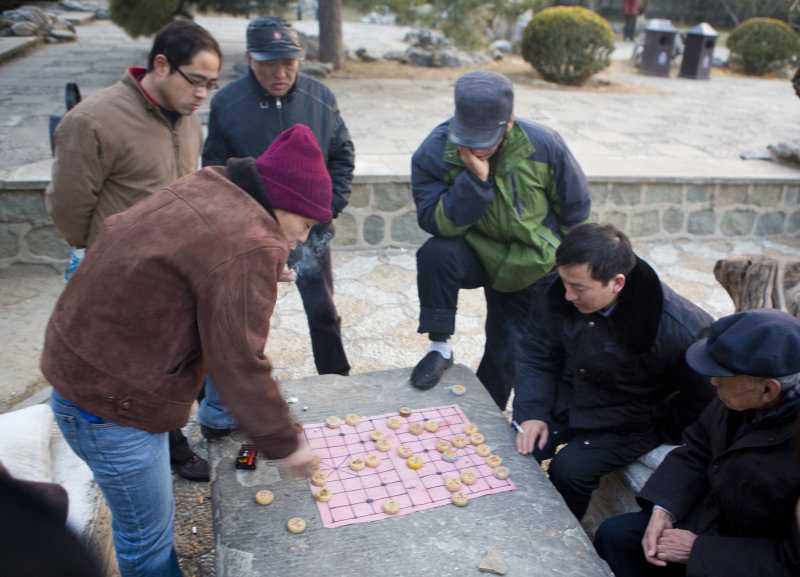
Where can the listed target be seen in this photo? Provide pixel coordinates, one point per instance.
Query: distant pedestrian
(630, 8)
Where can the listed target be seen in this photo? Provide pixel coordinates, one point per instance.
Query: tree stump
(755, 281)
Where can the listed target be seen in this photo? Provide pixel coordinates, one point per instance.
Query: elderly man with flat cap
(246, 116)
(723, 503)
(497, 194)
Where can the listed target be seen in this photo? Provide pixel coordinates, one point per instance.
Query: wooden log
(756, 281)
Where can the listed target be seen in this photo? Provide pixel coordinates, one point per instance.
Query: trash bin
(659, 41)
(698, 51)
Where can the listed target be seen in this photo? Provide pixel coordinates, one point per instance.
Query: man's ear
(161, 66)
(618, 283)
(510, 123)
(771, 390)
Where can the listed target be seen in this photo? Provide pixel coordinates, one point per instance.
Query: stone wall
(381, 213)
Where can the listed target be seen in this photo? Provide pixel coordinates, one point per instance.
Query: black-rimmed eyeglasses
(210, 85)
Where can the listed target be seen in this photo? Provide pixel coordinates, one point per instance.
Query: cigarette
(517, 427)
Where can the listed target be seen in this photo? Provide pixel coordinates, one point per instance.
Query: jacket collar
(266, 97)
(242, 172)
(638, 311)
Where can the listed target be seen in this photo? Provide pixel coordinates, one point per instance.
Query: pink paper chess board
(358, 496)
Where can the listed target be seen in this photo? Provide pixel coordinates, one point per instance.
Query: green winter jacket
(536, 193)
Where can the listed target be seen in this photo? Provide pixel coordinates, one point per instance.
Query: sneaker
(429, 370)
(211, 434)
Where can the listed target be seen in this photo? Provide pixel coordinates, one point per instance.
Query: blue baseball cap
(484, 105)
(758, 342)
(273, 38)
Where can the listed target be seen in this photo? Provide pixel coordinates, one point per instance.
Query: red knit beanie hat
(295, 174)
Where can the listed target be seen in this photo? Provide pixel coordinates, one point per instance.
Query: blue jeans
(213, 412)
(132, 469)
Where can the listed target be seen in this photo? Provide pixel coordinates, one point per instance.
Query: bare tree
(331, 44)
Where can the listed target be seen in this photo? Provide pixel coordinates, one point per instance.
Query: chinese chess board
(358, 496)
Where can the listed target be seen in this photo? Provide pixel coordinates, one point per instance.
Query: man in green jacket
(497, 194)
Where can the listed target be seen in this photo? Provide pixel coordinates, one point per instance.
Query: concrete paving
(668, 126)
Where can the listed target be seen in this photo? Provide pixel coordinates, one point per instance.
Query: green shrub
(568, 44)
(763, 44)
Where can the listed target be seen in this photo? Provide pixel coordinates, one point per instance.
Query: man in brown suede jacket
(180, 284)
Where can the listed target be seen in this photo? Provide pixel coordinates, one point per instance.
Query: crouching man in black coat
(723, 503)
(602, 367)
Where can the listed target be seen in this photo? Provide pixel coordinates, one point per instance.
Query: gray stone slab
(530, 526)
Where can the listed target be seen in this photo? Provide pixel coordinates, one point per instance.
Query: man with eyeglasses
(129, 140)
(246, 116)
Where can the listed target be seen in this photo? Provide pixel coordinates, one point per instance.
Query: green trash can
(659, 41)
(698, 52)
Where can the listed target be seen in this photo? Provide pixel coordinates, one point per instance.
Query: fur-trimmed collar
(638, 311)
(242, 172)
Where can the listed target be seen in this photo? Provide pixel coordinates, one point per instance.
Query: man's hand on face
(475, 164)
(534, 431)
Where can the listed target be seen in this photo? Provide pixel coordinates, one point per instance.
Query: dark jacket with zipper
(739, 497)
(245, 119)
(536, 192)
(622, 373)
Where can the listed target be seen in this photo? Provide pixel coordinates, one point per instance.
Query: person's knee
(618, 541)
(440, 252)
(566, 471)
(605, 539)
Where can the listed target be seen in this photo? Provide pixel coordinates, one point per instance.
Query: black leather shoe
(195, 469)
(429, 370)
(212, 434)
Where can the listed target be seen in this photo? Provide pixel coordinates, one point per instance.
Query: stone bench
(33, 449)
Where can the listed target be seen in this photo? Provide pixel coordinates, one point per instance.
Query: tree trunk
(761, 282)
(331, 45)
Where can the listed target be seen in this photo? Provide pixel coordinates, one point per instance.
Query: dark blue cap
(484, 105)
(758, 342)
(273, 39)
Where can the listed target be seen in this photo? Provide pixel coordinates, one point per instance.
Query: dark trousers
(619, 542)
(179, 449)
(577, 468)
(445, 266)
(312, 263)
(630, 27)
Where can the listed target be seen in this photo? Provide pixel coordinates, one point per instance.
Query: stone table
(531, 526)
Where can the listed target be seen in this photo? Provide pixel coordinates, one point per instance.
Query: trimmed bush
(568, 44)
(763, 44)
